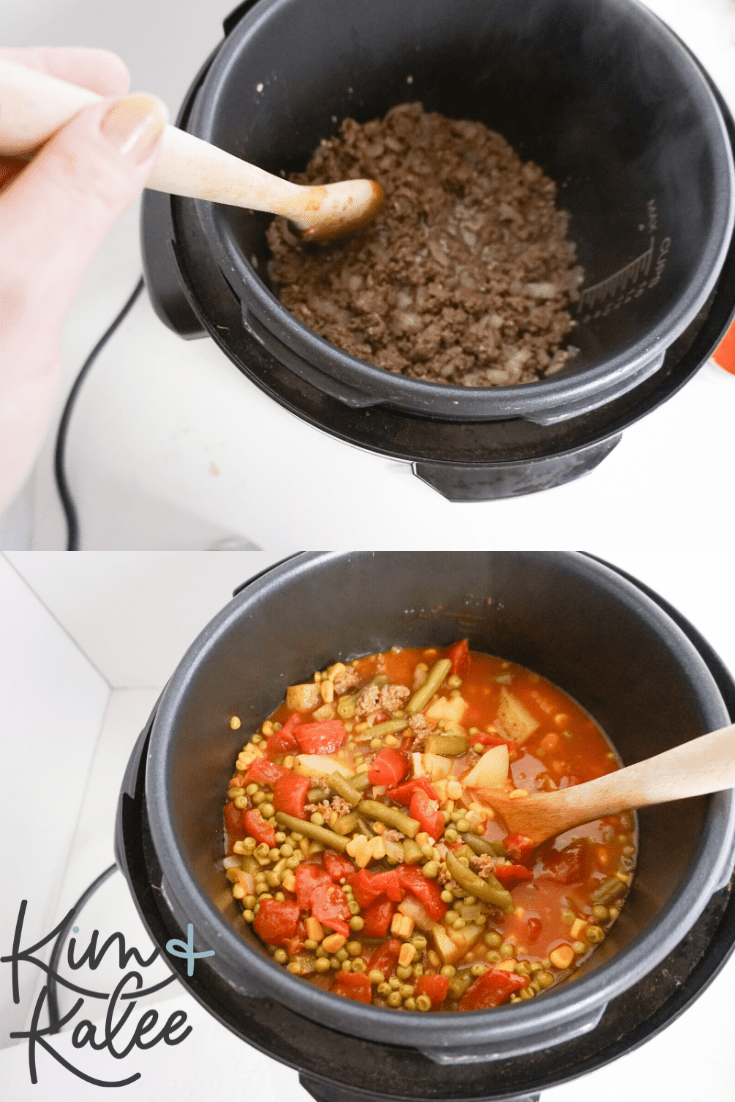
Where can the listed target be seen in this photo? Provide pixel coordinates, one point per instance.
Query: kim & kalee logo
(124, 1028)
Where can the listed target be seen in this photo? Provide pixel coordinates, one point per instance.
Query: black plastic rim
(630, 1020)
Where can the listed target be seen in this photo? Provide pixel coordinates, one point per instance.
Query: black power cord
(53, 999)
(67, 501)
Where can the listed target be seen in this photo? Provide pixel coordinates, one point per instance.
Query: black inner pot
(598, 92)
(557, 613)
(368, 1069)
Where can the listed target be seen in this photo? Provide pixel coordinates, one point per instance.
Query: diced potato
(469, 911)
(445, 947)
(320, 765)
(327, 711)
(304, 698)
(471, 933)
(450, 945)
(437, 766)
(490, 771)
(451, 709)
(516, 721)
(412, 907)
(417, 764)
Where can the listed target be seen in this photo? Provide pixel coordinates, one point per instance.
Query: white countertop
(87, 642)
(171, 447)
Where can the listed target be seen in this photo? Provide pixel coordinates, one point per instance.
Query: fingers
(55, 214)
(99, 70)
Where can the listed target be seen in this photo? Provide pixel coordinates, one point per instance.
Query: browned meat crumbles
(393, 697)
(345, 680)
(466, 275)
(368, 701)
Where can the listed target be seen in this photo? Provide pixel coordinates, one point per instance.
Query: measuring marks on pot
(631, 281)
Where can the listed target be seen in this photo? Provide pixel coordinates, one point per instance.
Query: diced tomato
(284, 741)
(369, 886)
(510, 875)
(308, 879)
(329, 905)
(353, 985)
(338, 866)
(533, 930)
(519, 848)
(428, 814)
(265, 772)
(295, 945)
(321, 738)
(385, 957)
(459, 656)
(389, 767)
(233, 819)
(377, 918)
(491, 989)
(258, 828)
(238, 781)
(403, 793)
(290, 794)
(436, 987)
(276, 922)
(495, 740)
(426, 891)
(571, 864)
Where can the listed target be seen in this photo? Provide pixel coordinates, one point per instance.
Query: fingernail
(134, 125)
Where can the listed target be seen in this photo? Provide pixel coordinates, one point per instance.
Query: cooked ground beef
(466, 275)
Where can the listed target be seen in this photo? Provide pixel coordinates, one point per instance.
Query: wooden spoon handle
(33, 106)
(705, 764)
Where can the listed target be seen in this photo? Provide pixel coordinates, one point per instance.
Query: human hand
(54, 214)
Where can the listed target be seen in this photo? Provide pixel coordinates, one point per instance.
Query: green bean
(490, 890)
(412, 852)
(309, 830)
(390, 727)
(365, 828)
(316, 795)
(608, 890)
(481, 845)
(434, 678)
(346, 824)
(346, 705)
(339, 784)
(360, 781)
(452, 745)
(390, 816)
(459, 983)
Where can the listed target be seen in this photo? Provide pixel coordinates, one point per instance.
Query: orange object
(724, 354)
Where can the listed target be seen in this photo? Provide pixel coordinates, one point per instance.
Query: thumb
(56, 213)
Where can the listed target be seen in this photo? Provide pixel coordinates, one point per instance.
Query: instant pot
(631, 660)
(599, 93)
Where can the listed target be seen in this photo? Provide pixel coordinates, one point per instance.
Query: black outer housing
(198, 285)
(332, 1063)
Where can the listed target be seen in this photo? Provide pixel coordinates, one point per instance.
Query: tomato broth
(365, 859)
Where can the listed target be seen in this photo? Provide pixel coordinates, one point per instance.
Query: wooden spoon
(34, 106)
(705, 764)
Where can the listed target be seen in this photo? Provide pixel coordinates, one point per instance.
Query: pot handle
(567, 410)
(461, 482)
(329, 1092)
(503, 1049)
(230, 21)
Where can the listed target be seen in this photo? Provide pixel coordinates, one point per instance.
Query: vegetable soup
(364, 858)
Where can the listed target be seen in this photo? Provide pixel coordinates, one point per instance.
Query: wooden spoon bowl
(702, 765)
(35, 105)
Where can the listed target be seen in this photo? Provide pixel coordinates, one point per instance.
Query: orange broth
(574, 884)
